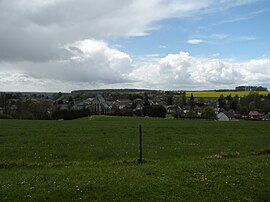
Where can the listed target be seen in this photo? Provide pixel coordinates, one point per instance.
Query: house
(102, 104)
(139, 107)
(230, 114)
(109, 103)
(217, 110)
(186, 109)
(266, 117)
(222, 117)
(170, 108)
(63, 107)
(81, 105)
(254, 115)
(138, 101)
(156, 101)
(122, 103)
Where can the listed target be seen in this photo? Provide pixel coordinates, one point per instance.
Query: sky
(65, 45)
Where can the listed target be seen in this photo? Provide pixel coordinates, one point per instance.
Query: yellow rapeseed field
(213, 94)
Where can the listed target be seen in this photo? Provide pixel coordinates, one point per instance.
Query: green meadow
(95, 159)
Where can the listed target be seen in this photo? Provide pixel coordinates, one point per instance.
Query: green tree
(59, 94)
(191, 114)
(208, 113)
(221, 102)
(71, 101)
(154, 111)
(183, 100)
(191, 101)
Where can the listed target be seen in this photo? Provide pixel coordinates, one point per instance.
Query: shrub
(5, 116)
(154, 111)
(208, 113)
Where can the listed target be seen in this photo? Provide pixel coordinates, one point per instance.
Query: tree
(252, 106)
(208, 113)
(191, 114)
(191, 101)
(183, 100)
(221, 102)
(59, 95)
(26, 109)
(201, 102)
(146, 102)
(234, 103)
(70, 101)
(154, 111)
(169, 100)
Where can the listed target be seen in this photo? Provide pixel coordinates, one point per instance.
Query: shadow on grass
(263, 151)
(24, 164)
(222, 155)
(130, 162)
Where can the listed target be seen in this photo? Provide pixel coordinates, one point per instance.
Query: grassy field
(213, 94)
(94, 159)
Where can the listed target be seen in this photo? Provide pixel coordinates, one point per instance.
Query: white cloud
(175, 71)
(153, 55)
(183, 71)
(162, 46)
(194, 41)
(218, 36)
(244, 17)
(247, 38)
(206, 38)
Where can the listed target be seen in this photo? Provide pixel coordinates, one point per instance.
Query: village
(162, 104)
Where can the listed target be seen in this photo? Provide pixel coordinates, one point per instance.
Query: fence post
(140, 130)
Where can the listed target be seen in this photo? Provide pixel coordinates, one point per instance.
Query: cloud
(218, 36)
(174, 71)
(209, 39)
(90, 61)
(153, 55)
(36, 30)
(244, 17)
(247, 38)
(162, 46)
(183, 71)
(16, 81)
(60, 44)
(194, 41)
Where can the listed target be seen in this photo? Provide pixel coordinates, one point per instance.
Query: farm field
(213, 94)
(94, 159)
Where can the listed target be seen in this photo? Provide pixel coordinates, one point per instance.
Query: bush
(70, 114)
(5, 116)
(208, 113)
(154, 111)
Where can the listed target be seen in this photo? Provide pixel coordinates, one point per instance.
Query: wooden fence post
(140, 130)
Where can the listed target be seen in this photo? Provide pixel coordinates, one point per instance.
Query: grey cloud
(75, 49)
(36, 30)
(91, 61)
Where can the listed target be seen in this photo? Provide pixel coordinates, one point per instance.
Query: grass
(213, 94)
(95, 159)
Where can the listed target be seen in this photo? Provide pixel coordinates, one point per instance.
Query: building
(222, 117)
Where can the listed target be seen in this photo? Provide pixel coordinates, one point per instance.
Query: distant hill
(114, 91)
